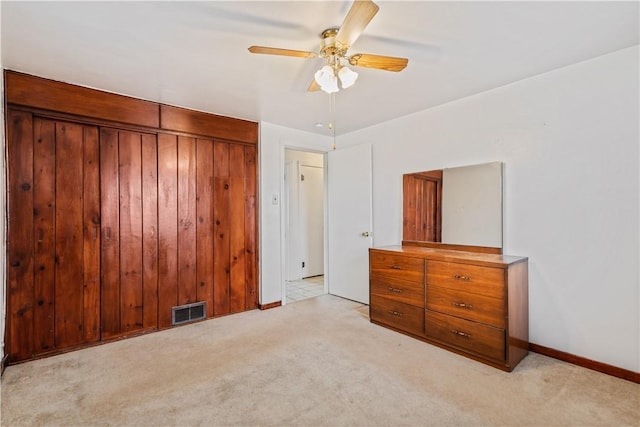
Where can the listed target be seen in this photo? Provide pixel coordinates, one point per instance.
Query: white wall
(570, 142)
(273, 141)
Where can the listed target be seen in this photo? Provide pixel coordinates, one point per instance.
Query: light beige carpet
(317, 362)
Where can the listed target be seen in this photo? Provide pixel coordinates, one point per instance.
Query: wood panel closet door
(54, 239)
(207, 225)
(226, 234)
(235, 287)
(128, 188)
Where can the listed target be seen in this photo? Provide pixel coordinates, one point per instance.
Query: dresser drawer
(466, 305)
(482, 340)
(397, 266)
(398, 290)
(396, 314)
(486, 281)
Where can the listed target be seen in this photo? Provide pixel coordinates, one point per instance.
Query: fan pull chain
(332, 116)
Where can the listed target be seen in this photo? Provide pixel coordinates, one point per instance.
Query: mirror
(459, 206)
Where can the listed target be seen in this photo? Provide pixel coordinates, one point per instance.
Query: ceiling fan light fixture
(347, 77)
(334, 46)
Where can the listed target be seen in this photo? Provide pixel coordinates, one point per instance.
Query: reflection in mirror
(461, 206)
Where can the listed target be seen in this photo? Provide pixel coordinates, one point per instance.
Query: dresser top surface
(492, 260)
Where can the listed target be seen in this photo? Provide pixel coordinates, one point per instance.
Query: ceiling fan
(334, 46)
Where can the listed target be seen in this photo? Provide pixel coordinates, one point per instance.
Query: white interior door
(311, 220)
(349, 222)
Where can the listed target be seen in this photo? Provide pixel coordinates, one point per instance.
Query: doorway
(303, 207)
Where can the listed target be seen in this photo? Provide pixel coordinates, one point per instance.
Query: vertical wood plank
(237, 221)
(91, 235)
(69, 299)
(409, 207)
(250, 227)
(428, 211)
(19, 340)
(186, 220)
(130, 166)
(149, 231)
(44, 191)
(438, 208)
(167, 227)
(110, 233)
(222, 226)
(204, 224)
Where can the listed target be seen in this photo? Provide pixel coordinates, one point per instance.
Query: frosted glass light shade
(347, 77)
(327, 79)
(324, 75)
(332, 85)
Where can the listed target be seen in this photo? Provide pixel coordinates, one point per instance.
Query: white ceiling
(194, 54)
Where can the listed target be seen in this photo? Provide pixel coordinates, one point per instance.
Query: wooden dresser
(472, 303)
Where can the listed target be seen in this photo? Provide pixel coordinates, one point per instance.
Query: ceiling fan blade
(283, 52)
(314, 86)
(358, 17)
(388, 63)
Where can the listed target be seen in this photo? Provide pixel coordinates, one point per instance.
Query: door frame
(284, 217)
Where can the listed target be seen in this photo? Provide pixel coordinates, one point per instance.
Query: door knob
(366, 234)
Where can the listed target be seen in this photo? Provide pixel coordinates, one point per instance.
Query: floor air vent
(188, 313)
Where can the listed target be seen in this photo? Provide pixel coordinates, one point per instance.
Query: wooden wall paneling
(430, 230)
(250, 227)
(196, 122)
(130, 182)
(237, 279)
(149, 231)
(409, 208)
(23, 89)
(222, 227)
(19, 339)
(69, 277)
(44, 191)
(125, 224)
(421, 206)
(186, 220)
(204, 224)
(110, 230)
(167, 227)
(91, 235)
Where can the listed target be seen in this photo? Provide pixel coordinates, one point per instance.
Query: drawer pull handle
(459, 277)
(395, 267)
(460, 333)
(395, 313)
(463, 305)
(396, 290)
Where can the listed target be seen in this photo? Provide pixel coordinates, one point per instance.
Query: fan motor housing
(329, 46)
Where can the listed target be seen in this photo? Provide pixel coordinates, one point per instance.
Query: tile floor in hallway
(305, 288)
